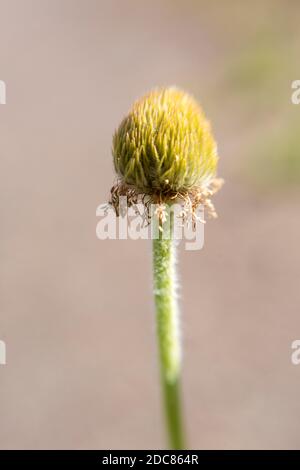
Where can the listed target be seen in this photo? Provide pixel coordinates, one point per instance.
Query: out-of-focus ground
(76, 313)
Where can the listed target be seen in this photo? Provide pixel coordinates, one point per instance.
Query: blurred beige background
(76, 313)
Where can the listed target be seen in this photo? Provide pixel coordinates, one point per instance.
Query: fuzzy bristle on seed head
(165, 144)
(164, 151)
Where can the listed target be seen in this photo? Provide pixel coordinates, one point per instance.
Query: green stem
(164, 251)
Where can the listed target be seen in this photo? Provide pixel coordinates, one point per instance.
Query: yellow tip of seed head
(165, 140)
(164, 149)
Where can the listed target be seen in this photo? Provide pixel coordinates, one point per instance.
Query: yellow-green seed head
(165, 144)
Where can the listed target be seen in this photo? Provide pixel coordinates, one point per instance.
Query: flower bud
(164, 151)
(165, 144)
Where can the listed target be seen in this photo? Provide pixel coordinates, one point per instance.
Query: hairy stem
(164, 252)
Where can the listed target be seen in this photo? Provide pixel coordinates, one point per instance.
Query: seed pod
(164, 148)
